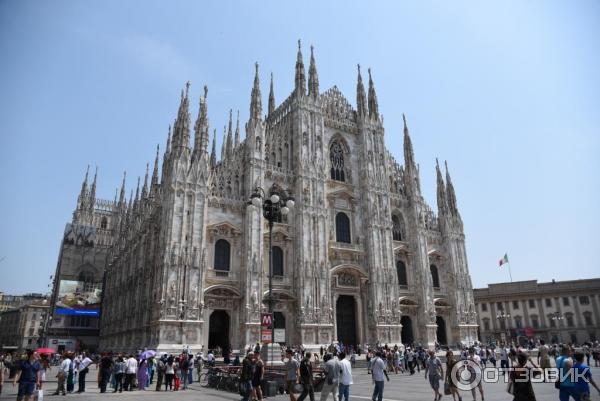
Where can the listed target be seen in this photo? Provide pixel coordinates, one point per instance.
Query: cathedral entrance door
(218, 330)
(407, 330)
(346, 319)
(441, 330)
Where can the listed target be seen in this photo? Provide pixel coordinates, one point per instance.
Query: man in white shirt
(476, 371)
(210, 358)
(131, 367)
(378, 369)
(345, 377)
(503, 358)
(83, 371)
(63, 371)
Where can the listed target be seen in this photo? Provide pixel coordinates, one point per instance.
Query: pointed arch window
(104, 223)
(401, 271)
(342, 228)
(222, 255)
(277, 261)
(435, 278)
(336, 156)
(397, 228)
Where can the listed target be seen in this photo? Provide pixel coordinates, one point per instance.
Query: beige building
(22, 327)
(558, 311)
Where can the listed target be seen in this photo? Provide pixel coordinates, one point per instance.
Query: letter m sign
(266, 319)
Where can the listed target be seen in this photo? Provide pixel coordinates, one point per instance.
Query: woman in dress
(258, 376)
(522, 389)
(450, 382)
(142, 375)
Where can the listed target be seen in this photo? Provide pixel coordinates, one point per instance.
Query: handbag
(447, 388)
(39, 395)
(298, 388)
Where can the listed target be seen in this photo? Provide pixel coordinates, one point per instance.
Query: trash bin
(270, 388)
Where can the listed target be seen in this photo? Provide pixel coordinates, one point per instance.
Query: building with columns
(361, 258)
(558, 311)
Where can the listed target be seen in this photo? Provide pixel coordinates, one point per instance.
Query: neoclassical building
(361, 258)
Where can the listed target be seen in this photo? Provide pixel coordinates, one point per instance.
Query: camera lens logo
(466, 375)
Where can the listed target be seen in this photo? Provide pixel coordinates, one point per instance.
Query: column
(542, 313)
(493, 312)
(577, 311)
(525, 307)
(595, 308)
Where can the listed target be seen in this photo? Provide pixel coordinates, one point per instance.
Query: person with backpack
(306, 378)
(246, 377)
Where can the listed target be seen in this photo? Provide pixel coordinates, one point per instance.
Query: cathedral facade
(361, 258)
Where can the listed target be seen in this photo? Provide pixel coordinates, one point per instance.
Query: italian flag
(504, 260)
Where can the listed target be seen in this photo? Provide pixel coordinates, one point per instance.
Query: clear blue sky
(508, 92)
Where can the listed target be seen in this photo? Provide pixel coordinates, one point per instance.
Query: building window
(342, 228)
(584, 300)
(336, 155)
(515, 304)
(548, 303)
(486, 325)
(222, 255)
(535, 322)
(484, 307)
(532, 303)
(574, 338)
(587, 316)
(565, 301)
(435, 278)
(104, 223)
(277, 261)
(570, 322)
(552, 321)
(397, 228)
(87, 280)
(499, 305)
(401, 271)
(31, 332)
(33, 316)
(518, 322)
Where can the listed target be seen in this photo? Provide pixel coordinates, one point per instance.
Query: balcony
(213, 274)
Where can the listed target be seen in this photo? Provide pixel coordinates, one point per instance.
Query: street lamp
(277, 204)
(503, 317)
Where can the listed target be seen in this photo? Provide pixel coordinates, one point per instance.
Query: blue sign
(78, 312)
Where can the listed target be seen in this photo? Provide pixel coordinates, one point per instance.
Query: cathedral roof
(336, 106)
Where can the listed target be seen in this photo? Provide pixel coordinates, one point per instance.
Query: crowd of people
(148, 370)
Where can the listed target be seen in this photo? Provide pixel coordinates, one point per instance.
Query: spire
(201, 128)
(168, 147)
(181, 128)
(154, 180)
(213, 152)
(84, 184)
(373, 106)
(122, 194)
(236, 142)
(441, 189)
(450, 193)
(229, 148)
(137, 195)
(409, 156)
(93, 190)
(313, 77)
(300, 80)
(255, 101)
(271, 97)
(145, 187)
(361, 101)
(223, 144)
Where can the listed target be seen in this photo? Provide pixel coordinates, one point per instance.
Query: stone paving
(401, 387)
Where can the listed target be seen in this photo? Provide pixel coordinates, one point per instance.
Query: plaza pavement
(401, 387)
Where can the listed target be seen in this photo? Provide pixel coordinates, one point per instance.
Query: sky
(507, 91)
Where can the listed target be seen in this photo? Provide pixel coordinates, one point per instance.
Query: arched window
(401, 270)
(222, 255)
(104, 223)
(277, 261)
(435, 276)
(342, 228)
(336, 156)
(397, 228)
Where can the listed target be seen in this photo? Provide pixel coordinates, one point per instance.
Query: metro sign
(266, 320)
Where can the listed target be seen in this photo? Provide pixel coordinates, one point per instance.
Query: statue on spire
(300, 79)
(361, 100)
(255, 97)
(373, 105)
(313, 77)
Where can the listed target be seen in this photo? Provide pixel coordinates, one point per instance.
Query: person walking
(29, 376)
(246, 377)
(584, 377)
(434, 372)
(476, 372)
(131, 366)
(71, 374)
(160, 372)
(119, 372)
(63, 372)
(169, 373)
(83, 371)
(378, 373)
(142, 374)
(520, 379)
(306, 378)
(543, 357)
(332, 374)
(345, 378)
(564, 363)
(257, 378)
(105, 369)
(292, 367)
(450, 381)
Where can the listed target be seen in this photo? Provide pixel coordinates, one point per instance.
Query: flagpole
(509, 273)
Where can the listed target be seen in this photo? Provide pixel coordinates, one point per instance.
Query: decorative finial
(299, 44)
(187, 88)
(205, 91)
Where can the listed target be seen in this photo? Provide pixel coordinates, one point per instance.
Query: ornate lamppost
(558, 317)
(503, 317)
(277, 204)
